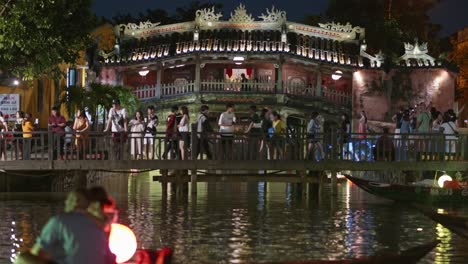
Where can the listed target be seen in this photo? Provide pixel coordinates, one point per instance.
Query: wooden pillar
(197, 75)
(334, 182)
(279, 78)
(193, 181)
(158, 83)
(318, 87)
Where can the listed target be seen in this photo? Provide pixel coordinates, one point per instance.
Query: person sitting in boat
(71, 237)
(384, 149)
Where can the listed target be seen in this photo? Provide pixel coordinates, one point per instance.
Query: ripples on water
(247, 222)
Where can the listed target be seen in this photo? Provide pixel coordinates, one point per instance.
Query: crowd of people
(415, 123)
(266, 134)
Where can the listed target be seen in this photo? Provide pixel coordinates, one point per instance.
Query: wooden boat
(456, 224)
(412, 193)
(145, 256)
(409, 256)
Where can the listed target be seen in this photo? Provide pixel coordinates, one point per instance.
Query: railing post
(318, 87)
(197, 75)
(158, 83)
(279, 78)
(50, 145)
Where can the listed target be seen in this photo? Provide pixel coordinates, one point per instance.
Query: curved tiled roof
(331, 43)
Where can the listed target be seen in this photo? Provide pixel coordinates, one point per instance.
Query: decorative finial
(240, 15)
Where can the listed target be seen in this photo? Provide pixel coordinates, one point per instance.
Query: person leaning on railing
(81, 127)
(384, 149)
(203, 128)
(28, 129)
(3, 130)
(279, 130)
(117, 124)
(57, 126)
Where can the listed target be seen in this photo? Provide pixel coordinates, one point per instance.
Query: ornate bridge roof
(332, 43)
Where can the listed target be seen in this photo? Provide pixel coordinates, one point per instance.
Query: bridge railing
(247, 87)
(215, 86)
(43, 145)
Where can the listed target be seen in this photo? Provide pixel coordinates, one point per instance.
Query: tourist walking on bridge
(28, 129)
(451, 135)
(313, 138)
(172, 134)
(137, 131)
(424, 127)
(278, 139)
(184, 131)
(254, 131)
(203, 129)
(152, 122)
(345, 137)
(81, 127)
(362, 125)
(226, 124)
(57, 125)
(267, 126)
(117, 124)
(3, 140)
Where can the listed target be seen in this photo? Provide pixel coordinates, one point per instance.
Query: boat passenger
(73, 237)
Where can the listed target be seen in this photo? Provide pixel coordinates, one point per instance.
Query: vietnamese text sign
(9, 104)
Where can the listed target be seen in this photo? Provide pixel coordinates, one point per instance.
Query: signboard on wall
(9, 104)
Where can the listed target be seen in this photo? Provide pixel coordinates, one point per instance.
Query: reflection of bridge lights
(15, 242)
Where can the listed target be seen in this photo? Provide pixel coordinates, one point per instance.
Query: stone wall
(381, 94)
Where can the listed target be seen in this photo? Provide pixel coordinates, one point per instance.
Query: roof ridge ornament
(240, 15)
(143, 25)
(344, 28)
(275, 15)
(417, 53)
(207, 15)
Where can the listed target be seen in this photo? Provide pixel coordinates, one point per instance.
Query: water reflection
(246, 222)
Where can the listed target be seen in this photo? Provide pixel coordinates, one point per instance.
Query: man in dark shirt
(255, 132)
(172, 134)
(73, 237)
(203, 129)
(384, 149)
(266, 125)
(57, 125)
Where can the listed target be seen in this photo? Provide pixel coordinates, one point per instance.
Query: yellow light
(122, 242)
(443, 179)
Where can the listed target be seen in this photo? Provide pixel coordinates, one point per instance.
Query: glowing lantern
(122, 242)
(337, 75)
(443, 179)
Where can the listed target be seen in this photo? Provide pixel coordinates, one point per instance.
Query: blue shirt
(74, 238)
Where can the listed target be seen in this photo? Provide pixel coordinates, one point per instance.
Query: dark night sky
(452, 14)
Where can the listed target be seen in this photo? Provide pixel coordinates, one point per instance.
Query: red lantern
(229, 72)
(249, 72)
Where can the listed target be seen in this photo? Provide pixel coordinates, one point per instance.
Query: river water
(246, 222)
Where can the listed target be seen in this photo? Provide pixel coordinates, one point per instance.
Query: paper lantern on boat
(122, 242)
(443, 179)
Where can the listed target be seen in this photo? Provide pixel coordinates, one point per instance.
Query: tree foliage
(75, 97)
(37, 36)
(389, 23)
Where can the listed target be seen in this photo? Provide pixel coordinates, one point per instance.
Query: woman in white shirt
(184, 131)
(450, 132)
(137, 129)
